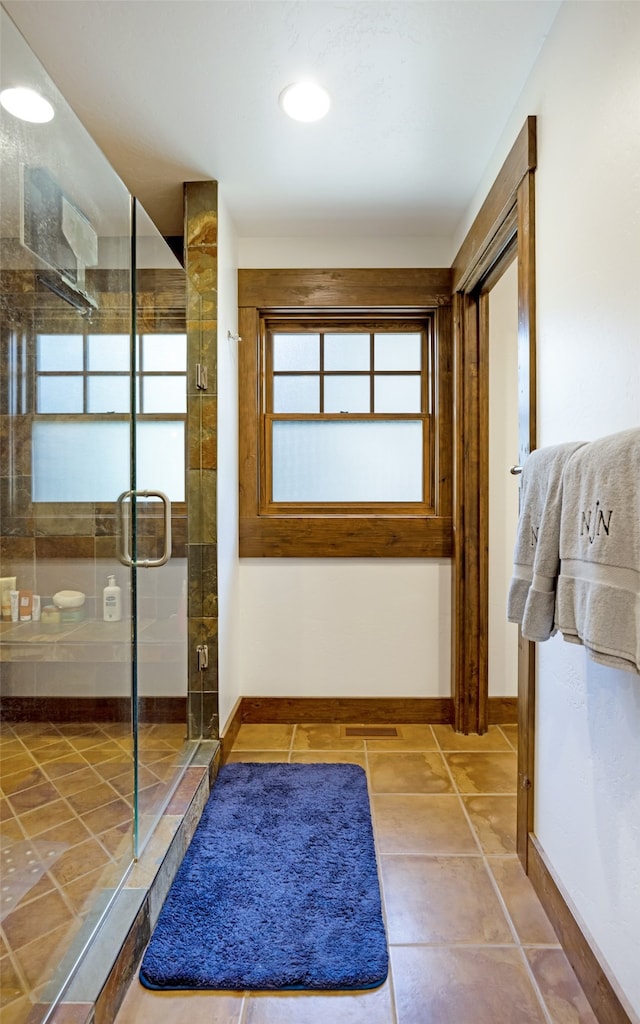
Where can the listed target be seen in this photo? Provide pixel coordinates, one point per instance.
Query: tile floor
(66, 836)
(469, 941)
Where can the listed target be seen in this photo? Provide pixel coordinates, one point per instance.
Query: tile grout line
(503, 905)
(383, 902)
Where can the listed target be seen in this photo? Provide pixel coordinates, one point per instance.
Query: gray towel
(598, 595)
(538, 539)
(539, 611)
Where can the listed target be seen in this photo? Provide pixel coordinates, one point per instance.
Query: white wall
(258, 253)
(503, 487)
(228, 563)
(585, 90)
(345, 627)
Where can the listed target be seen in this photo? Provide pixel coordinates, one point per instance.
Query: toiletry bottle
(14, 605)
(112, 601)
(35, 608)
(6, 606)
(25, 604)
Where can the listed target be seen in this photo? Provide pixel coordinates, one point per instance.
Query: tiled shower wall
(201, 261)
(50, 547)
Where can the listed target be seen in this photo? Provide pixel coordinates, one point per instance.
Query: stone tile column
(201, 264)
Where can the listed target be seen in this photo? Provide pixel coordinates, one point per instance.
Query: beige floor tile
(10, 832)
(325, 737)
(10, 984)
(449, 739)
(263, 737)
(372, 1007)
(40, 959)
(494, 772)
(511, 732)
(463, 986)
(561, 991)
(71, 764)
(40, 797)
(43, 818)
(56, 750)
(441, 900)
(88, 799)
(17, 1012)
(409, 772)
(70, 832)
(79, 860)
(494, 819)
(16, 783)
(74, 781)
(141, 1006)
(529, 919)
(107, 817)
(329, 757)
(258, 755)
(20, 761)
(421, 824)
(411, 737)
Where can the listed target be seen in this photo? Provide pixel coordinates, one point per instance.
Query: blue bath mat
(278, 889)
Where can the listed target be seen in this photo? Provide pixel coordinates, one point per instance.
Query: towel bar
(515, 470)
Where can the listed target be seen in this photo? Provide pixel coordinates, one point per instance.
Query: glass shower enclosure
(93, 568)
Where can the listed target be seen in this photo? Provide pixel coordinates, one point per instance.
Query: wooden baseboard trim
(355, 710)
(231, 730)
(166, 710)
(360, 710)
(503, 710)
(583, 958)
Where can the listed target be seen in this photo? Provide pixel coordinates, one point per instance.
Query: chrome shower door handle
(123, 552)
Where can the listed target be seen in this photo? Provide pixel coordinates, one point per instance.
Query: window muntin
(83, 404)
(346, 416)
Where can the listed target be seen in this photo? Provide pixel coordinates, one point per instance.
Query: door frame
(504, 227)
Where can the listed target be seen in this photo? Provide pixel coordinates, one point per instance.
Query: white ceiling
(177, 90)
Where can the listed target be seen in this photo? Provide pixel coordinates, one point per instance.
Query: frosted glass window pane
(90, 461)
(85, 461)
(397, 394)
(59, 394)
(59, 352)
(296, 394)
(160, 453)
(351, 461)
(164, 394)
(296, 351)
(164, 352)
(398, 351)
(108, 352)
(347, 351)
(108, 394)
(347, 394)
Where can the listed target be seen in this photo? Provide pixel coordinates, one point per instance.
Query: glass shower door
(66, 654)
(159, 523)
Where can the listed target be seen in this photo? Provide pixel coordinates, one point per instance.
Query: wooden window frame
(390, 530)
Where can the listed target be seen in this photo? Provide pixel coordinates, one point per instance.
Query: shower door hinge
(203, 657)
(201, 377)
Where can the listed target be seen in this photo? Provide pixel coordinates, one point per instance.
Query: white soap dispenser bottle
(112, 601)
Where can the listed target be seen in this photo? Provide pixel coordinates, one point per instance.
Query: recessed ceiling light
(26, 104)
(305, 101)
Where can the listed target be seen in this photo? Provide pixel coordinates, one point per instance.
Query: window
(83, 405)
(346, 420)
(345, 417)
